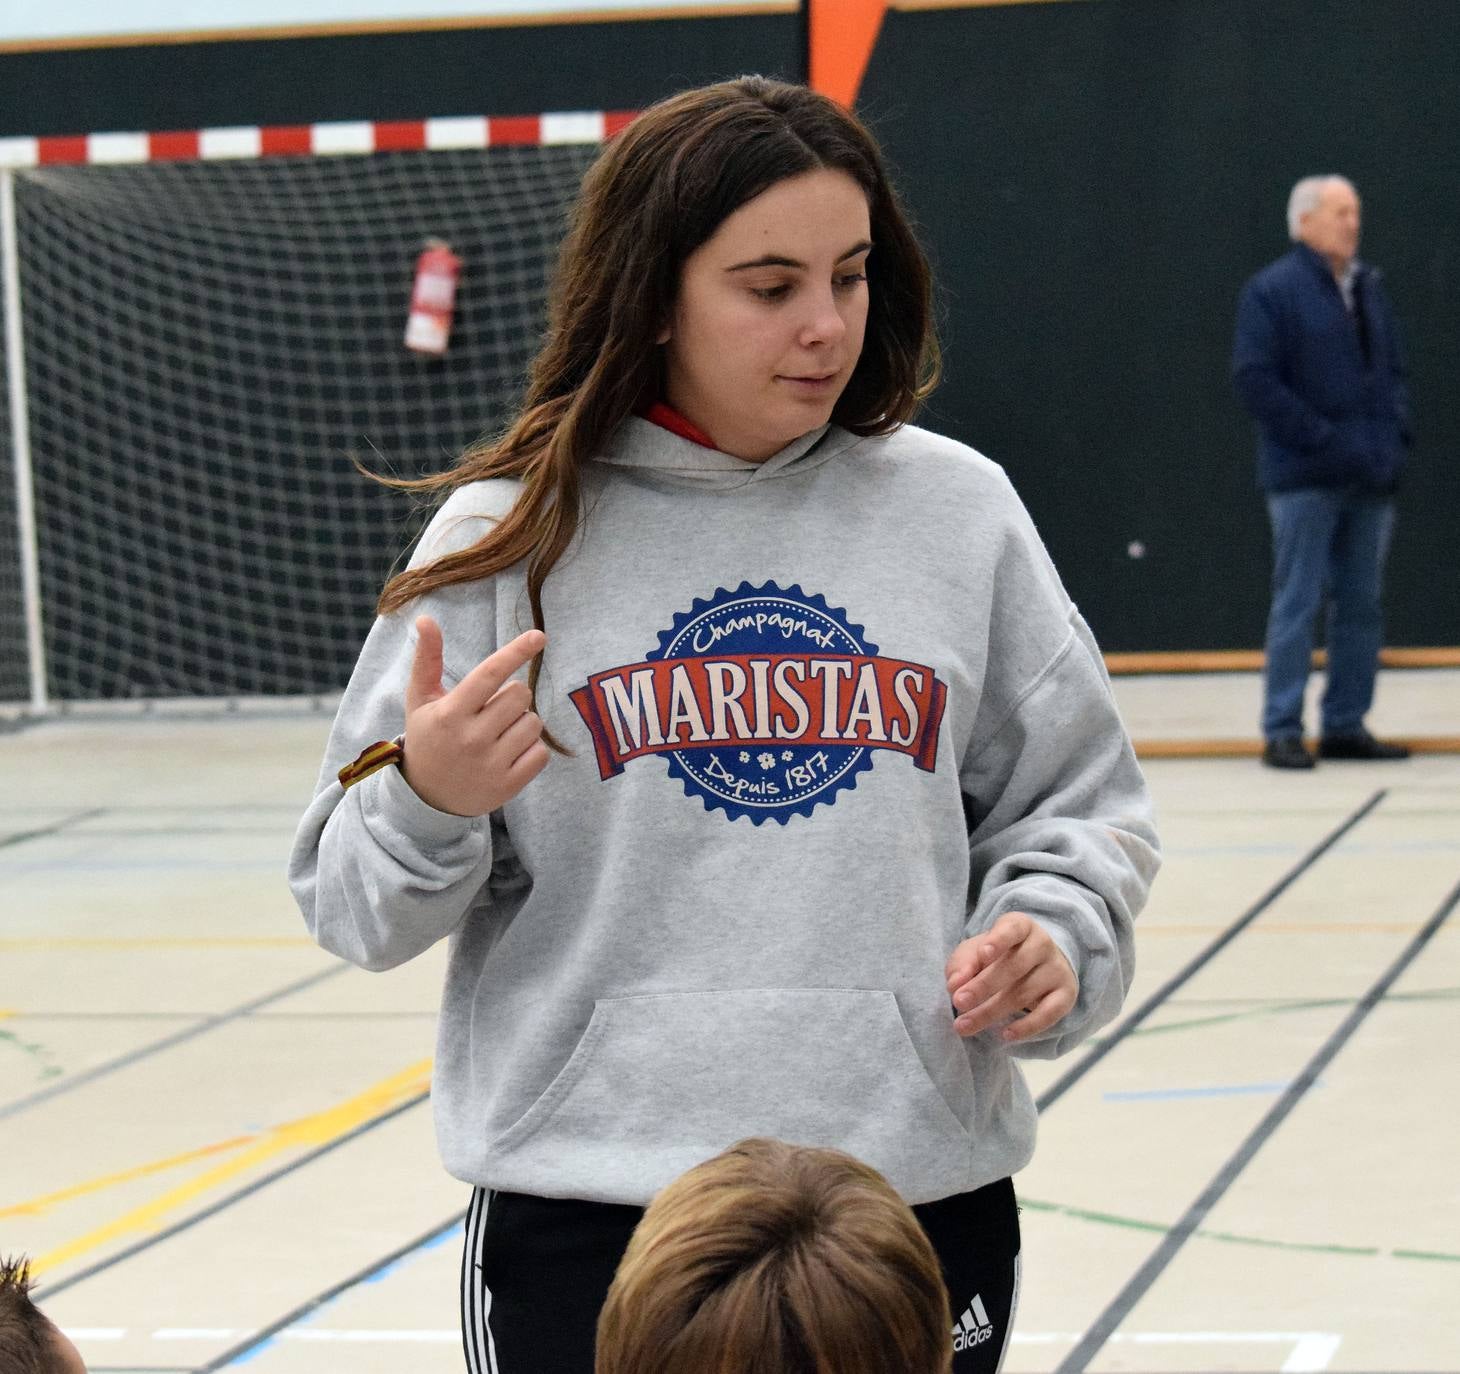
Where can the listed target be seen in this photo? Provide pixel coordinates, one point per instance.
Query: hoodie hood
(653, 451)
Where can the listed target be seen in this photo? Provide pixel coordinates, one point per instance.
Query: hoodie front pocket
(658, 1083)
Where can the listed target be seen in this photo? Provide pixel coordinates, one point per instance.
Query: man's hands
(472, 748)
(1012, 967)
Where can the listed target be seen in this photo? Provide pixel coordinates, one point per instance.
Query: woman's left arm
(1062, 851)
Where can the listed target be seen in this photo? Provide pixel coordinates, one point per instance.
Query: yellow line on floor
(317, 1129)
(96, 1185)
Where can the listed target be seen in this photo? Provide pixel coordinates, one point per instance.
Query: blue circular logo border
(836, 767)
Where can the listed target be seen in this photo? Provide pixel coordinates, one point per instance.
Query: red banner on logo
(662, 706)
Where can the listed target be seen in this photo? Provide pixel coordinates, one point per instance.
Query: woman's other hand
(1013, 967)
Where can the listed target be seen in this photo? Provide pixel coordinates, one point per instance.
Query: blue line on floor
(1171, 1094)
(263, 1340)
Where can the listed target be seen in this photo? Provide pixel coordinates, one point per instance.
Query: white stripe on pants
(476, 1301)
(1013, 1308)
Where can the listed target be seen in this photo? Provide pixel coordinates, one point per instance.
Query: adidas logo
(973, 1327)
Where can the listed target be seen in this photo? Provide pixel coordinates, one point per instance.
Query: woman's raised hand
(472, 748)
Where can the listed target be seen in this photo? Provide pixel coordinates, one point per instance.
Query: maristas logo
(765, 701)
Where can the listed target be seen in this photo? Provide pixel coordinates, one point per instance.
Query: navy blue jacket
(1326, 388)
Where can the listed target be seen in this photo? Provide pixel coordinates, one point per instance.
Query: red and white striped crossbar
(286, 140)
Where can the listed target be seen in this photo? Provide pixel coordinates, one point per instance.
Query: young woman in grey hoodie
(813, 812)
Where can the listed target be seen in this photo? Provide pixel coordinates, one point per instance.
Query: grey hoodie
(829, 715)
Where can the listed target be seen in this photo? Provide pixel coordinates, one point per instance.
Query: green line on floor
(1227, 1237)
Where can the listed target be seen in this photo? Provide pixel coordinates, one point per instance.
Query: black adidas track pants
(535, 1272)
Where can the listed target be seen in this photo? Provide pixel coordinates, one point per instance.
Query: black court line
(1106, 1323)
(123, 1061)
(267, 1333)
(49, 1291)
(1093, 1056)
(65, 823)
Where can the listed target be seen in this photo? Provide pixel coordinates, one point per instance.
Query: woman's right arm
(380, 872)
(379, 875)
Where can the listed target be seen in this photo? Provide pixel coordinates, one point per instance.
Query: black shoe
(1287, 753)
(1359, 745)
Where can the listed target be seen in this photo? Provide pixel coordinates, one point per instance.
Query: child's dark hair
(27, 1338)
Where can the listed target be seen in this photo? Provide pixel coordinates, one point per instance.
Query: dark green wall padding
(1096, 181)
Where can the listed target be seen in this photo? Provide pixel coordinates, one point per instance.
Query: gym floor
(217, 1143)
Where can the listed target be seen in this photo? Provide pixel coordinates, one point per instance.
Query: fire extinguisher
(433, 299)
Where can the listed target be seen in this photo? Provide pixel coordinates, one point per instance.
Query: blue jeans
(1326, 542)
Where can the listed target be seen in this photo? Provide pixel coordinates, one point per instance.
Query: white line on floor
(1311, 1351)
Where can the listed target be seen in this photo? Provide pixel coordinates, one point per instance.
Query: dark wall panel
(1373, 90)
(494, 70)
(1095, 182)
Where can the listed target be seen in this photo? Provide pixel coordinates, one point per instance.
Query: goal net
(207, 347)
(14, 675)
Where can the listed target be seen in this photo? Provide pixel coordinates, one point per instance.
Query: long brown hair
(777, 1259)
(659, 190)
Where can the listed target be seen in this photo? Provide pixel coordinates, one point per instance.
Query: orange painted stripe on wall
(843, 34)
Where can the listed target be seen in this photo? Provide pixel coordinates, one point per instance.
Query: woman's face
(768, 324)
